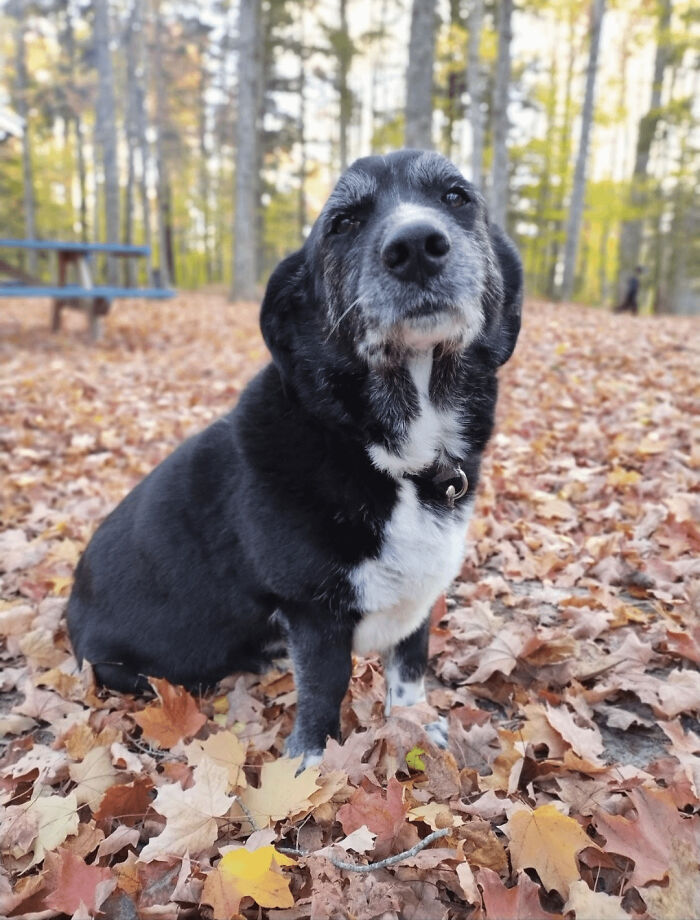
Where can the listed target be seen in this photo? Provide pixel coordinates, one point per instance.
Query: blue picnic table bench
(95, 300)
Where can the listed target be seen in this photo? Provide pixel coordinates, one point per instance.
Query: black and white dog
(328, 510)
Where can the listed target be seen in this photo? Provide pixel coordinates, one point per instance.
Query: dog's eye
(456, 197)
(344, 223)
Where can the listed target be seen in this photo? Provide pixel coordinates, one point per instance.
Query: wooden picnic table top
(114, 249)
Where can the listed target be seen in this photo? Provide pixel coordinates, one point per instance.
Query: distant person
(630, 301)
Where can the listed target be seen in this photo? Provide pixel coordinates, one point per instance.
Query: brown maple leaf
(77, 883)
(521, 902)
(648, 838)
(174, 717)
(383, 814)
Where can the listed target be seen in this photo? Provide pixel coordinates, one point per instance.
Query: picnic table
(95, 300)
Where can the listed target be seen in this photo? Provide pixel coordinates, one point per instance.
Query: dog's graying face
(403, 255)
(401, 259)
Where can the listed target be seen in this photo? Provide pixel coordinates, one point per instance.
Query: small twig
(244, 808)
(382, 863)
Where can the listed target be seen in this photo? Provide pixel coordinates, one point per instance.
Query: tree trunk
(204, 170)
(499, 115)
(631, 230)
(476, 90)
(345, 52)
(245, 222)
(301, 122)
(132, 76)
(82, 176)
(573, 229)
(141, 127)
(165, 234)
(106, 116)
(419, 75)
(28, 198)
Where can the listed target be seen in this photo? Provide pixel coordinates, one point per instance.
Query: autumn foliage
(566, 658)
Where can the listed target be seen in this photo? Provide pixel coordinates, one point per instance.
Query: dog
(328, 511)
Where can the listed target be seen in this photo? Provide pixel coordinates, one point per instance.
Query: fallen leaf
(58, 818)
(648, 838)
(383, 813)
(548, 842)
(247, 874)
(94, 775)
(594, 905)
(78, 884)
(223, 749)
(521, 902)
(174, 717)
(281, 794)
(190, 813)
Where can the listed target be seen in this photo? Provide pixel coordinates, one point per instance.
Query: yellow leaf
(282, 794)
(547, 841)
(225, 750)
(248, 874)
(619, 476)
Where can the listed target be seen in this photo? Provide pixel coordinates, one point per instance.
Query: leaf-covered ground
(566, 657)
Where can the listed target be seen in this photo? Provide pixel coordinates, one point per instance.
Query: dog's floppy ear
(504, 333)
(281, 314)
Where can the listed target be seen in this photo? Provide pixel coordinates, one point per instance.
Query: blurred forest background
(213, 130)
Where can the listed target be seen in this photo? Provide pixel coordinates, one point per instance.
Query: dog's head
(401, 259)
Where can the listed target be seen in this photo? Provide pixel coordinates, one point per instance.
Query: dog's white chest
(433, 432)
(422, 552)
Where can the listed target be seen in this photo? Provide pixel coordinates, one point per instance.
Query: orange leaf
(174, 718)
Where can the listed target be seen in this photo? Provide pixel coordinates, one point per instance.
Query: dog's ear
(504, 333)
(281, 314)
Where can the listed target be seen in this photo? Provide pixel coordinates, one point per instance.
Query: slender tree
(106, 120)
(475, 89)
(163, 190)
(245, 226)
(573, 228)
(21, 88)
(499, 115)
(631, 231)
(419, 75)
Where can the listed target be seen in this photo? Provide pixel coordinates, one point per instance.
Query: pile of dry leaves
(566, 657)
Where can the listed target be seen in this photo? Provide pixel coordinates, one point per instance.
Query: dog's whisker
(337, 323)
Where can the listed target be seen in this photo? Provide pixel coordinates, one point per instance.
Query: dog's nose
(415, 251)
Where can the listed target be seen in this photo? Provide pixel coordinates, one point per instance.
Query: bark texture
(22, 106)
(245, 221)
(476, 90)
(419, 75)
(578, 192)
(106, 119)
(632, 230)
(499, 114)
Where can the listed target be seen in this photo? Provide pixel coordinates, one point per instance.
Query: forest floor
(566, 657)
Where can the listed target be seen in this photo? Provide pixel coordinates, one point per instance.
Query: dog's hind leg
(321, 652)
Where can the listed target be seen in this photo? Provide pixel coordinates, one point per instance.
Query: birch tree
(419, 75)
(499, 115)
(475, 89)
(573, 228)
(245, 223)
(106, 120)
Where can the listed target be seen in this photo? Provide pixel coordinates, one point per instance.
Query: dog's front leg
(404, 669)
(322, 659)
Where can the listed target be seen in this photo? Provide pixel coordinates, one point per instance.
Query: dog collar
(449, 479)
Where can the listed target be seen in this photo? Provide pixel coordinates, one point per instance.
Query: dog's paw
(437, 731)
(310, 757)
